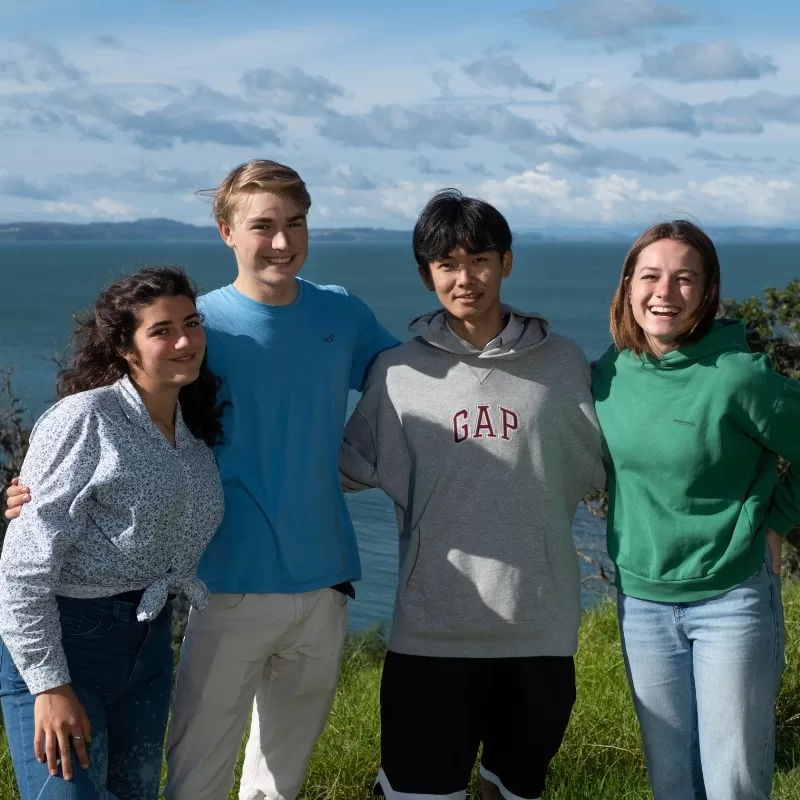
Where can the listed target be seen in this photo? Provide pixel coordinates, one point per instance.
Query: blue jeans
(121, 670)
(704, 677)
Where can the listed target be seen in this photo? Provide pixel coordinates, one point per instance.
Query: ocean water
(41, 285)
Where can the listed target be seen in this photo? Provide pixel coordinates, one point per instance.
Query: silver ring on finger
(76, 738)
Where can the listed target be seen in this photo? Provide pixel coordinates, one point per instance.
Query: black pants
(435, 712)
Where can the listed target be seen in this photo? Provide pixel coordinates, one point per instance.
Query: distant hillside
(165, 230)
(745, 233)
(143, 230)
(168, 230)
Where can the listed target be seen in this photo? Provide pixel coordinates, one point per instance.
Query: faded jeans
(121, 670)
(704, 677)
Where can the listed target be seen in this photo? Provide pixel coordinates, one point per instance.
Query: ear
(508, 262)
(132, 358)
(225, 232)
(425, 274)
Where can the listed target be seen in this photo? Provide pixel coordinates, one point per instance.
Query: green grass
(601, 755)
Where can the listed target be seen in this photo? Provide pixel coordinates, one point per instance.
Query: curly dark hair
(106, 331)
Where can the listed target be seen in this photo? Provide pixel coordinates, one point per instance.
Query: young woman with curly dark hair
(89, 566)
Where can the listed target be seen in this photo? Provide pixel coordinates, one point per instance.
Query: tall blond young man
(288, 352)
(279, 566)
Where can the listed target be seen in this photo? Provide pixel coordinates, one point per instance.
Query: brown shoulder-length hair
(625, 331)
(104, 335)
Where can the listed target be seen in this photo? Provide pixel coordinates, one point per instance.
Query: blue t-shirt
(286, 372)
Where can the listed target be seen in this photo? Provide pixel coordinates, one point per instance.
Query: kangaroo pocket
(499, 576)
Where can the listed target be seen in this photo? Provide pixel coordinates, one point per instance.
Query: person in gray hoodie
(482, 431)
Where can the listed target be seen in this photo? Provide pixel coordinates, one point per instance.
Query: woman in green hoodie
(694, 424)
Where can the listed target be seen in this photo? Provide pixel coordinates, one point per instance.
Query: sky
(560, 112)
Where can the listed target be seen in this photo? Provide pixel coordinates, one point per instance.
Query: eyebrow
(169, 321)
(654, 267)
(295, 218)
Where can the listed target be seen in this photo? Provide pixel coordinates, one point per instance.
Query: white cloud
(615, 199)
(460, 126)
(593, 105)
(534, 188)
(102, 207)
(442, 81)
(614, 195)
(404, 200)
(692, 62)
(590, 160)
(425, 166)
(199, 114)
(721, 161)
(291, 91)
(200, 99)
(495, 70)
(35, 62)
(20, 186)
(617, 23)
(749, 113)
(745, 196)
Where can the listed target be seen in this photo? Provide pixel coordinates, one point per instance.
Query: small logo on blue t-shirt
(329, 338)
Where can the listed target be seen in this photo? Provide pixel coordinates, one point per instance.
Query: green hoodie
(693, 438)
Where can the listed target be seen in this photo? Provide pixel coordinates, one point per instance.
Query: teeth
(273, 260)
(664, 310)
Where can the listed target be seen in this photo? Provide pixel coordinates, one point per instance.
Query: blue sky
(561, 112)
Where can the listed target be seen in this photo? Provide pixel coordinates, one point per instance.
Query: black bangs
(450, 220)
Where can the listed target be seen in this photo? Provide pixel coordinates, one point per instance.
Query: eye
(159, 332)
(297, 224)
(195, 323)
(685, 279)
(479, 259)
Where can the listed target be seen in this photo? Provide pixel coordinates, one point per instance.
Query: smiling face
(169, 344)
(269, 236)
(468, 284)
(665, 291)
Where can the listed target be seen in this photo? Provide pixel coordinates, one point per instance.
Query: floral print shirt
(114, 508)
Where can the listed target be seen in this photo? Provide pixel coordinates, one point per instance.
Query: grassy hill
(601, 756)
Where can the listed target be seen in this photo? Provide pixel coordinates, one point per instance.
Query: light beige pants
(281, 649)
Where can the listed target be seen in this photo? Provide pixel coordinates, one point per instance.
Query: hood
(432, 328)
(725, 336)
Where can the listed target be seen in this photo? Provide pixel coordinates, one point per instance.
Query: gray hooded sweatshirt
(485, 455)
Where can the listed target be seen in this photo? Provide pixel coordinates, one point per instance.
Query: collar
(510, 333)
(135, 410)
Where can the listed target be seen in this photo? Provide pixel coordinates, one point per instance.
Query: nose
(465, 277)
(279, 241)
(182, 341)
(663, 286)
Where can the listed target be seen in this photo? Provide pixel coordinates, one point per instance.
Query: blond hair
(259, 175)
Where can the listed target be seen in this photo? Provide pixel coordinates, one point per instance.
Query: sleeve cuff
(41, 679)
(779, 522)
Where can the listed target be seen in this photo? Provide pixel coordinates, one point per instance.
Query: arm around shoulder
(358, 458)
(372, 338)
